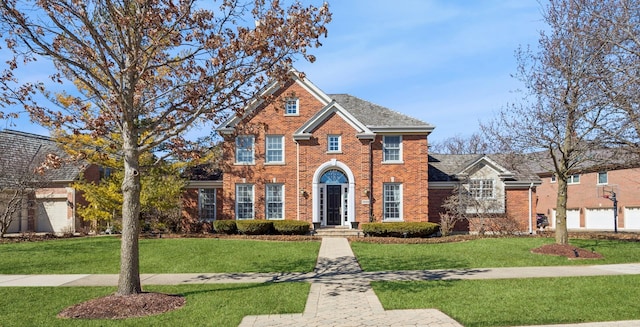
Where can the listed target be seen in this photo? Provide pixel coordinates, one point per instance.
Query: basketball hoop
(606, 196)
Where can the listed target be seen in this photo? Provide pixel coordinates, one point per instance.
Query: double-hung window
(274, 149)
(392, 204)
(207, 203)
(275, 201)
(244, 201)
(245, 149)
(392, 148)
(291, 107)
(481, 188)
(333, 143)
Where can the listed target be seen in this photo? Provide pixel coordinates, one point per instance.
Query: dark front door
(334, 199)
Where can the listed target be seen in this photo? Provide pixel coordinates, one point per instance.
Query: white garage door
(573, 219)
(52, 216)
(631, 218)
(601, 219)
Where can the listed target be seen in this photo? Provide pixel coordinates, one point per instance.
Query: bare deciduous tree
(150, 70)
(476, 143)
(562, 111)
(18, 182)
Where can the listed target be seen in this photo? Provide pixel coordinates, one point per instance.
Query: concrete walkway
(341, 294)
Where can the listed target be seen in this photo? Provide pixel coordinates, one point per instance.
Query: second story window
(573, 179)
(275, 149)
(333, 143)
(603, 178)
(392, 148)
(291, 107)
(244, 149)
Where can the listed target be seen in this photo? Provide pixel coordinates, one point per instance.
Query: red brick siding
(584, 195)
(313, 153)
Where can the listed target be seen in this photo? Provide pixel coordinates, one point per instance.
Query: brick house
(49, 204)
(502, 191)
(333, 160)
(587, 206)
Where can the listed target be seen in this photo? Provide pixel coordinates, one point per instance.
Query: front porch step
(338, 232)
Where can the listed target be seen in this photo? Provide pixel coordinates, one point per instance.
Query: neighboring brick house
(330, 159)
(587, 209)
(49, 205)
(203, 190)
(503, 192)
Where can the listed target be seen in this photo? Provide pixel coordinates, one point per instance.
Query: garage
(52, 217)
(573, 219)
(632, 218)
(599, 219)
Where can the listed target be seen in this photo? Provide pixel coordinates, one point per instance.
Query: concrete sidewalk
(340, 292)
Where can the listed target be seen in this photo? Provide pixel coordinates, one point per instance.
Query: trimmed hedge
(225, 226)
(254, 227)
(291, 227)
(400, 229)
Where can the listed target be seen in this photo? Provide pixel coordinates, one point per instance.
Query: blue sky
(446, 62)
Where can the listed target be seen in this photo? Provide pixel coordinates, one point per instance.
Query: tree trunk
(129, 279)
(562, 234)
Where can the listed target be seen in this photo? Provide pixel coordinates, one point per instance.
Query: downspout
(371, 180)
(530, 211)
(297, 179)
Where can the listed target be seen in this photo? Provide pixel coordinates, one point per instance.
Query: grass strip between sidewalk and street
(516, 302)
(217, 305)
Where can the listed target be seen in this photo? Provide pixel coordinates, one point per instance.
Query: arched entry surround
(334, 164)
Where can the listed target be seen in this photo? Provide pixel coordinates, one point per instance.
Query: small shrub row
(400, 229)
(262, 227)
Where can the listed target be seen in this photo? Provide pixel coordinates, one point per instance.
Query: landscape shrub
(225, 226)
(254, 227)
(291, 227)
(400, 229)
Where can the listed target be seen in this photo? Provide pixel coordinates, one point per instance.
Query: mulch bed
(568, 251)
(124, 306)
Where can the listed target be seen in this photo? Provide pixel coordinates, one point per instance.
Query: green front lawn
(101, 255)
(514, 302)
(484, 253)
(207, 305)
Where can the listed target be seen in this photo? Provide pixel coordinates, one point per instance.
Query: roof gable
(454, 167)
(366, 118)
(298, 78)
(306, 130)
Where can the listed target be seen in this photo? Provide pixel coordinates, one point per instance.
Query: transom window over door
(392, 148)
(275, 149)
(244, 201)
(333, 176)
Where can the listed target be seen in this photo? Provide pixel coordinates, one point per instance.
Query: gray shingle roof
(373, 115)
(20, 149)
(444, 167)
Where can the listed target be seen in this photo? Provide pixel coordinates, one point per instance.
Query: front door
(334, 200)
